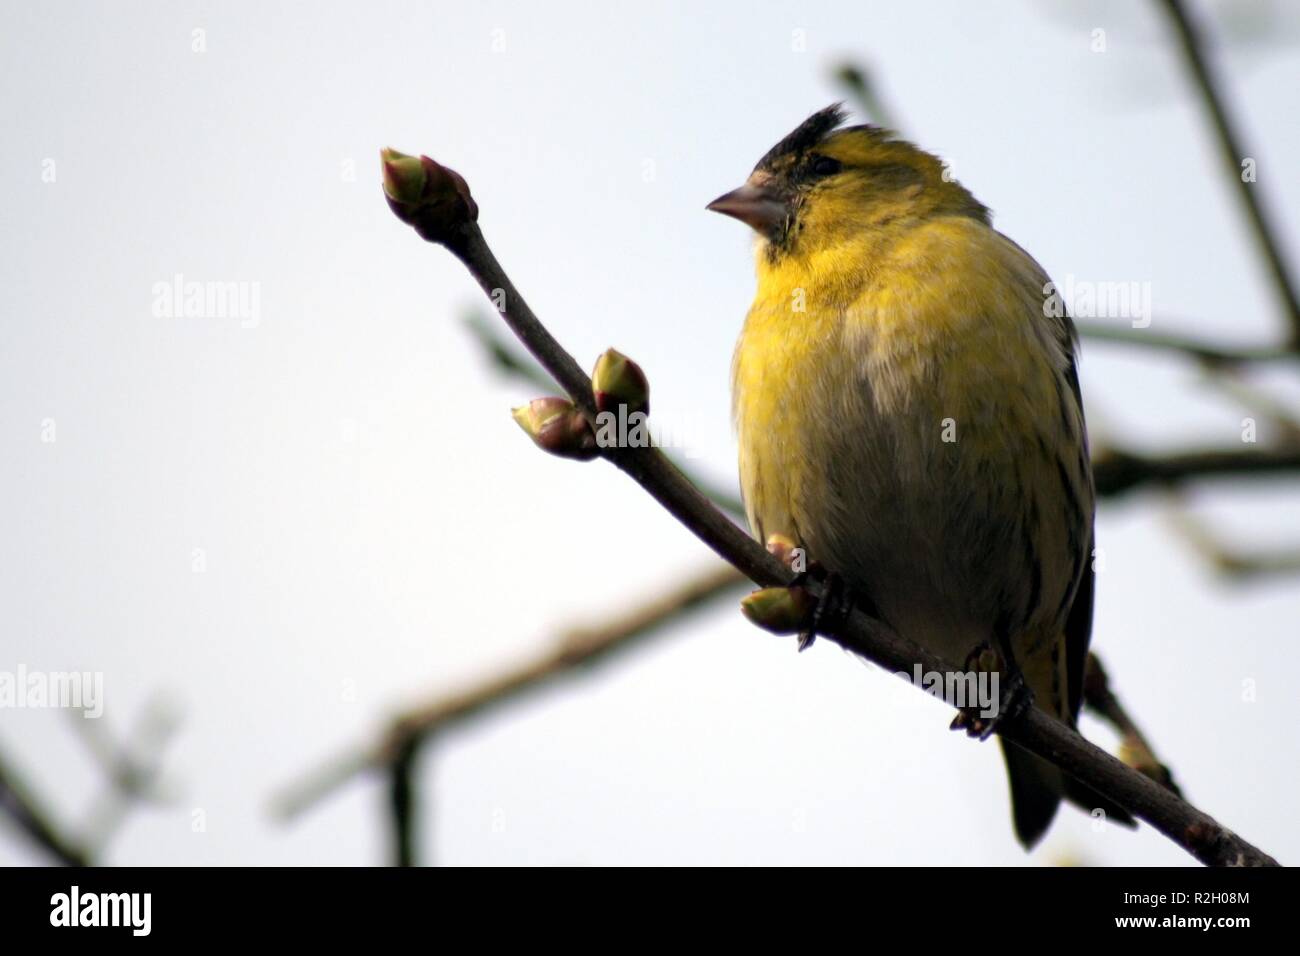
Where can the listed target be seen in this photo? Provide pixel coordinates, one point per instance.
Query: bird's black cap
(806, 135)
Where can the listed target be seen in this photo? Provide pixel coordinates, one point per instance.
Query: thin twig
(1258, 403)
(1233, 154)
(133, 767)
(582, 646)
(505, 356)
(574, 652)
(1207, 353)
(17, 801)
(1117, 472)
(450, 219)
(1135, 749)
(1228, 561)
(404, 803)
(860, 85)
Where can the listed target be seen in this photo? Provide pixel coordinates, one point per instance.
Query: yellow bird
(908, 412)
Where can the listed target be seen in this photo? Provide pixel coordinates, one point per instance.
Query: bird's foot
(794, 609)
(832, 606)
(1014, 698)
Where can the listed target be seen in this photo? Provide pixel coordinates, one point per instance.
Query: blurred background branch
(1208, 354)
(576, 651)
(1209, 87)
(1135, 749)
(858, 83)
(30, 816)
(1117, 471)
(132, 769)
(1229, 561)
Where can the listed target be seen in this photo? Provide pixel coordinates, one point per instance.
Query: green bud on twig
(404, 177)
(432, 198)
(557, 426)
(617, 380)
(779, 610)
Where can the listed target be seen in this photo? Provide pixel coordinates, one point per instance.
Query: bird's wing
(1078, 626)
(1078, 633)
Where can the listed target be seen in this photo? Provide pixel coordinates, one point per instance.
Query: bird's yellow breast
(785, 347)
(895, 401)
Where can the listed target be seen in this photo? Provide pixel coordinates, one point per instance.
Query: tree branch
(1207, 353)
(507, 359)
(1139, 753)
(26, 812)
(437, 203)
(1258, 403)
(1232, 153)
(503, 355)
(133, 768)
(573, 652)
(858, 81)
(1229, 561)
(403, 797)
(1117, 472)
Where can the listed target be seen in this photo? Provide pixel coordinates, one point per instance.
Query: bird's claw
(1015, 697)
(832, 606)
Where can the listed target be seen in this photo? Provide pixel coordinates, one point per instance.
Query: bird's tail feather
(1036, 789)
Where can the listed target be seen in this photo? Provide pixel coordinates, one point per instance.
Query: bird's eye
(825, 166)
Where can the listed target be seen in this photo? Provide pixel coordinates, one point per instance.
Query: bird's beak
(756, 204)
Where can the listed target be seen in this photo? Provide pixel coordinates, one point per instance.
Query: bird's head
(823, 185)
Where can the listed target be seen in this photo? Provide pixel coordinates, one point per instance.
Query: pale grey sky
(372, 526)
